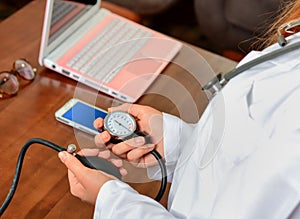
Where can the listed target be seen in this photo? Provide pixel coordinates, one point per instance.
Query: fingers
(106, 154)
(119, 163)
(73, 164)
(104, 136)
(95, 152)
(132, 149)
(124, 147)
(138, 153)
(98, 123)
(102, 139)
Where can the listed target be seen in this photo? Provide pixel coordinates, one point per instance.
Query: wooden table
(43, 190)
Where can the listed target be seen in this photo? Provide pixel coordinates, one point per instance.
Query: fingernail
(105, 135)
(62, 156)
(139, 140)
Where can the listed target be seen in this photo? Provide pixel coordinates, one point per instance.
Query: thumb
(72, 163)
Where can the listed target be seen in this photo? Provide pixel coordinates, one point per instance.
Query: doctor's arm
(113, 198)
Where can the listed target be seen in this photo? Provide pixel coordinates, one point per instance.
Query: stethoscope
(217, 83)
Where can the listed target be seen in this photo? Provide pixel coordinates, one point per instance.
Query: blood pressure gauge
(120, 124)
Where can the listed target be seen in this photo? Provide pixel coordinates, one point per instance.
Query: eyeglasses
(9, 83)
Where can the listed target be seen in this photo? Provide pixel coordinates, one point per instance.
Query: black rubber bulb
(99, 163)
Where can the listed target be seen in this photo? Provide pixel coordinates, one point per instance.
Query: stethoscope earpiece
(281, 40)
(286, 28)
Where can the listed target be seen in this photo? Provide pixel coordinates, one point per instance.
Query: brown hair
(289, 12)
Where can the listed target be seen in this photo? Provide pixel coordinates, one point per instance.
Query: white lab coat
(253, 170)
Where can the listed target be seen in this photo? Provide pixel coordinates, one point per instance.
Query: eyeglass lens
(24, 69)
(9, 83)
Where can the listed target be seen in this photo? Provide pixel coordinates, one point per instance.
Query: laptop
(102, 50)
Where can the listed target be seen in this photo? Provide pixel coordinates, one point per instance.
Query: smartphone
(80, 115)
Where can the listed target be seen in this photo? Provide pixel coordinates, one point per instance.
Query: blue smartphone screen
(84, 115)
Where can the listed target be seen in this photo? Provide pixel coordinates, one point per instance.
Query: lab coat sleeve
(117, 200)
(176, 134)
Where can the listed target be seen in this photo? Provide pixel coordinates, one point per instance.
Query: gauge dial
(119, 124)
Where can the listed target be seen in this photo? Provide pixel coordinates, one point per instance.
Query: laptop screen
(64, 14)
(62, 18)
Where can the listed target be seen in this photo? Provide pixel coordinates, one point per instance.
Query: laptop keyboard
(110, 50)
